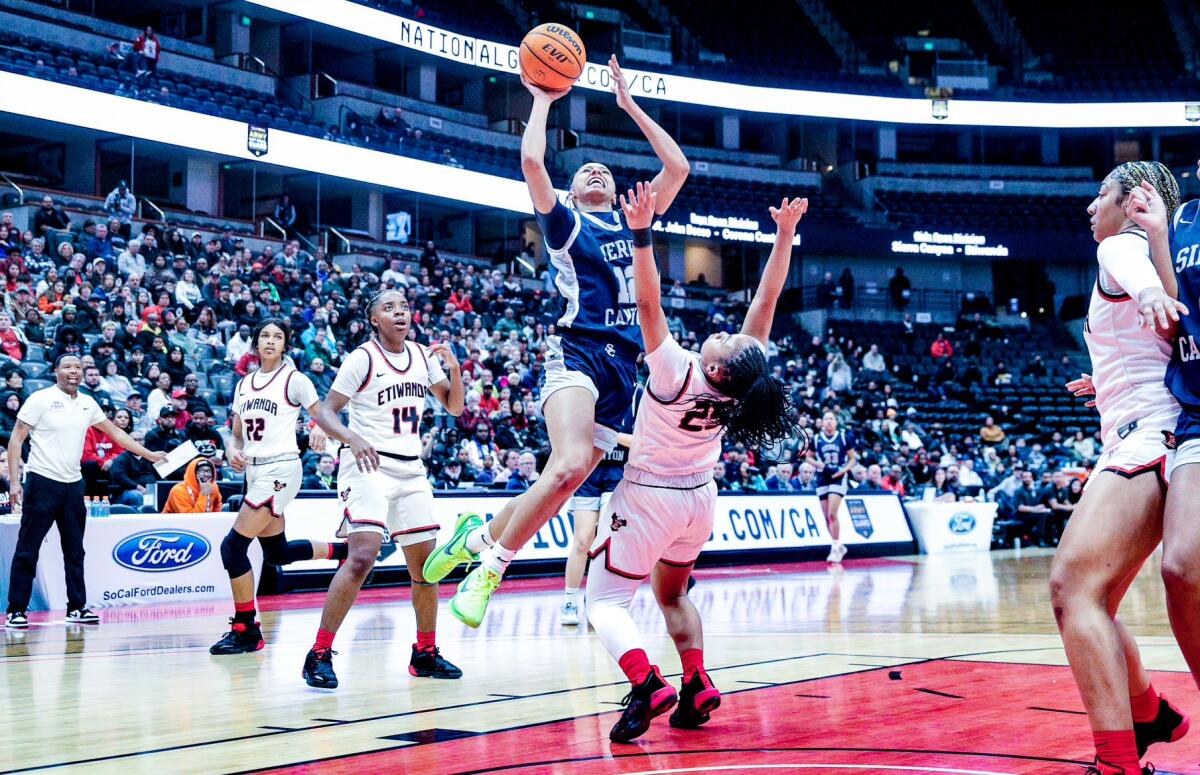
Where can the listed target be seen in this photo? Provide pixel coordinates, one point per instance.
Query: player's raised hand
(638, 206)
(1144, 206)
(788, 214)
(443, 351)
(543, 94)
(1083, 387)
(620, 87)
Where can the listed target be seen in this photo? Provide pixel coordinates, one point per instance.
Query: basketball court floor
(907, 665)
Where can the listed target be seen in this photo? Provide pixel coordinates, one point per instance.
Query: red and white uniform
(269, 406)
(387, 398)
(1128, 362)
(663, 508)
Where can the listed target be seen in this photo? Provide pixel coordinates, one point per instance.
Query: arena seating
(996, 211)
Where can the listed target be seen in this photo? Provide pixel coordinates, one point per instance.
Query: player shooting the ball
(591, 365)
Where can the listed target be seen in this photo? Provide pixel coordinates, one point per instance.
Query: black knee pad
(233, 553)
(277, 550)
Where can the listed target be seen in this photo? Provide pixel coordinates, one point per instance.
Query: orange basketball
(552, 56)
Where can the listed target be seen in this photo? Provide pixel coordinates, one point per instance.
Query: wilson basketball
(552, 56)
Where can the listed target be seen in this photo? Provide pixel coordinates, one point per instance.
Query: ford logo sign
(156, 551)
(962, 523)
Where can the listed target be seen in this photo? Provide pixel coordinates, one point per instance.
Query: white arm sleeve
(1126, 259)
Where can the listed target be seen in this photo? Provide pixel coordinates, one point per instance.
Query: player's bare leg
(1181, 563)
(583, 533)
(697, 696)
(1114, 529)
(831, 505)
(343, 591)
(427, 661)
(570, 419)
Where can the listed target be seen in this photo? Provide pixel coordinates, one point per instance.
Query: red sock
(426, 641)
(693, 661)
(1145, 705)
(329, 551)
(1118, 749)
(247, 607)
(324, 639)
(243, 613)
(636, 665)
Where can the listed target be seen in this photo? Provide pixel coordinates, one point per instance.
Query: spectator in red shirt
(12, 343)
(147, 49)
(247, 363)
(941, 347)
(99, 452)
(488, 400)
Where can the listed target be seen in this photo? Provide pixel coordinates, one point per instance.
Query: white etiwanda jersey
(387, 394)
(1128, 362)
(269, 405)
(672, 437)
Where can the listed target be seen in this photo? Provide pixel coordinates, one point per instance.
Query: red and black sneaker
(1169, 726)
(1100, 767)
(242, 638)
(318, 669)
(697, 699)
(652, 697)
(429, 663)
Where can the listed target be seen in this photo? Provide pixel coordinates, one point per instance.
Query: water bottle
(91, 508)
(105, 507)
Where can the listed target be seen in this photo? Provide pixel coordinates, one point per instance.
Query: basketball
(552, 56)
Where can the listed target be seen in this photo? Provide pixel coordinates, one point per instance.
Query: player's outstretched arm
(328, 416)
(533, 148)
(761, 314)
(450, 391)
(675, 165)
(639, 208)
(1145, 207)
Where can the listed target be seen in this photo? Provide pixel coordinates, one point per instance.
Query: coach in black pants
(56, 420)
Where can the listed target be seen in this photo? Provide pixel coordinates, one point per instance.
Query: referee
(55, 419)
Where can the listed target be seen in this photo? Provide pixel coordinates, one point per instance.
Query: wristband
(641, 238)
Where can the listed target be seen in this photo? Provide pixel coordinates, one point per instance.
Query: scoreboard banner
(744, 522)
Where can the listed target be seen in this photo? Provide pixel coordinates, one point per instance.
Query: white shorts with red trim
(1187, 454)
(395, 500)
(1143, 450)
(273, 485)
(642, 525)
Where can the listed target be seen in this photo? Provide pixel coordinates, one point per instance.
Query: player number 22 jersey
(387, 394)
(269, 406)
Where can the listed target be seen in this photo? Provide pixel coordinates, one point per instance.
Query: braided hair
(1132, 174)
(758, 410)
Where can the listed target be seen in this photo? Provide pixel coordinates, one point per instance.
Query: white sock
(572, 595)
(497, 558)
(479, 539)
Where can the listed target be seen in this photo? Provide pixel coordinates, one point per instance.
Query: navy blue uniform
(598, 340)
(1183, 372)
(834, 452)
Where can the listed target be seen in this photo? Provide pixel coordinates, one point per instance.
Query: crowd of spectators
(163, 321)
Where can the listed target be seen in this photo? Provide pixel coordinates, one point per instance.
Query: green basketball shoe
(455, 552)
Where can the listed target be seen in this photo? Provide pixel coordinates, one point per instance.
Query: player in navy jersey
(1175, 240)
(1118, 522)
(833, 455)
(591, 365)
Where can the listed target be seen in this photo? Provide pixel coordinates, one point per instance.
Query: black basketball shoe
(242, 638)
(430, 664)
(318, 669)
(652, 697)
(697, 699)
(1168, 726)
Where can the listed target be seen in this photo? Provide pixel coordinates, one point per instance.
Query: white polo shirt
(59, 425)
